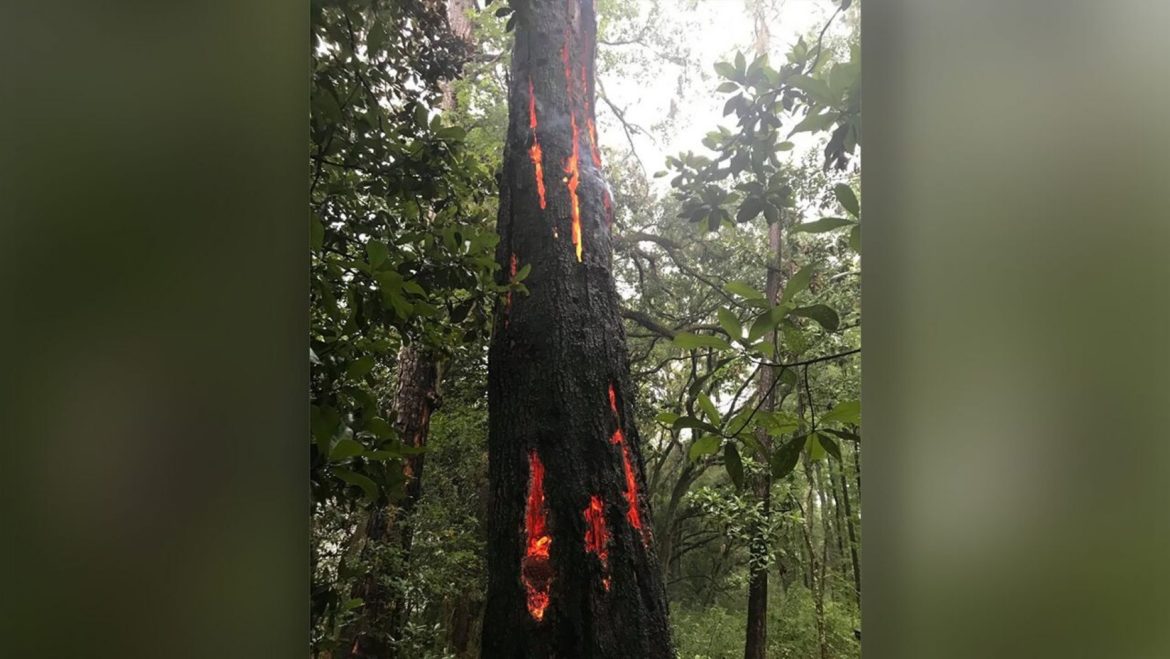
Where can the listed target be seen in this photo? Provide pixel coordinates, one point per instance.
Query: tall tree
(571, 560)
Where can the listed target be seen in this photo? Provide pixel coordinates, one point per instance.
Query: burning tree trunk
(572, 570)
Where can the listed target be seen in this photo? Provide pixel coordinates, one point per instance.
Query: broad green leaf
(692, 422)
(797, 283)
(733, 464)
(829, 445)
(727, 87)
(689, 341)
(666, 418)
(368, 486)
(316, 232)
(824, 315)
(855, 238)
(817, 89)
(358, 368)
(749, 209)
(815, 450)
(705, 445)
(729, 323)
(822, 225)
(845, 412)
(813, 123)
(848, 200)
(522, 273)
(726, 70)
(740, 63)
(376, 252)
(380, 428)
(346, 448)
(765, 323)
(709, 409)
(784, 460)
(452, 134)
(743, 290)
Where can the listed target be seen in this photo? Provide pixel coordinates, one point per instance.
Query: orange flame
(534, 152)
(572, 168)
(535, 569)
(633, 512)
(597, 535)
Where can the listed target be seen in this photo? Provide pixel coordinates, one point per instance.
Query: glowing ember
(535, 570)
(633, 513)
(597, 535)
(534, 152)
(593, 142)
(572, 168)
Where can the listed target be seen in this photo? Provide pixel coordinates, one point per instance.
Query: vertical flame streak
(534, 152)
(572, 168)
(608, 203)
(573, 164)
(633, 511)
(597, 535)
(590, 127)
(535, 570)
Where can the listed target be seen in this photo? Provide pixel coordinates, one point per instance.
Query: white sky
(715, 30)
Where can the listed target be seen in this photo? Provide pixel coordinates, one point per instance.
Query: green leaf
(368, 487)
(316, 232)
(452, 134)
(815, 450)
(749, 209)
(377, 252)
(705, 445)
(360, 367)
(825, 316)
(797, 283)
(743, 290)
(689, 341)
(822, 225)
(666, 418)
(726, 70)
(855, 238)
(828, 444)
(848, 200)
(813, 123)
(727, 87)
(709, 409)
(730, 323)
(845, 412)
(818, 90)
(692, 422)
(522, 273)
(733, 464)
(346, 448)
(765, 323)
(740, 63)
(785, 459)
(380, 428)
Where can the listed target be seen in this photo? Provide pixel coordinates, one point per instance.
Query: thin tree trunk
(848, 515)
(756, 642)
(414, 400)
(572, 570)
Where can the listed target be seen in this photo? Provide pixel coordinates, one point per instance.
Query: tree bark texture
(414, 401)
(572, 569)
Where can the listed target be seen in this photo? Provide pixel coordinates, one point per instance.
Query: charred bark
(572, 569)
